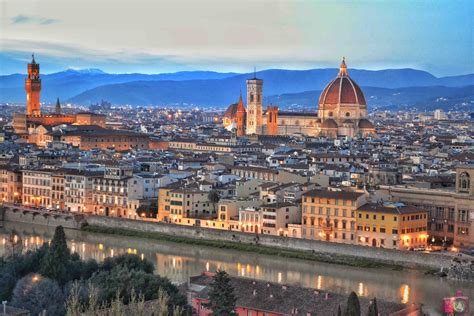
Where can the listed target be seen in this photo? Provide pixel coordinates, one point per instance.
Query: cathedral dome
(231, 111)
(342, 90)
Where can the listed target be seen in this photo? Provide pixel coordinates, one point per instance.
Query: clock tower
(33, 89)
(254, 106)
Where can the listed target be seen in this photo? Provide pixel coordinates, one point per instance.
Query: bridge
(30, 215)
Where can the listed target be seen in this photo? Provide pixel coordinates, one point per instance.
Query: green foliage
(339, 312)
(373, 309)
(120, 280)
(353, 305)
(55, 263)
(221, 295)
(15, 267)
(213, 197)
(36, 294)
(128, 261)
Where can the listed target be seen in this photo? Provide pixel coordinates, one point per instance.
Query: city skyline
(162, 37)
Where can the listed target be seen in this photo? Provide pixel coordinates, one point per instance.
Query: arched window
(464, 182)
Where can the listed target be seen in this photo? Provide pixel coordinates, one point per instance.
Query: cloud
(32, 19)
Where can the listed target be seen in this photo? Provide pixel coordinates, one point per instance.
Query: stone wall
(405, 258)
(39, 218)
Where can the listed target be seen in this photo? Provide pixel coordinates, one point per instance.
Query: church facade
(342, 111)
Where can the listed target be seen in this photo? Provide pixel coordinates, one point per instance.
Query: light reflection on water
(179, 261)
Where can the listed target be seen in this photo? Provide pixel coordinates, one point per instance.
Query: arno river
(179, 261)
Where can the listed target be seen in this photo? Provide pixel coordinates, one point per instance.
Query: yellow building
(329, 215)
(392, 225)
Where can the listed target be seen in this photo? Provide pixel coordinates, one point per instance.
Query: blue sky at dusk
(165, 36)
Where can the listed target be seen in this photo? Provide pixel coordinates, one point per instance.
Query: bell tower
(33, 89)
(240, 117)
(254, 106)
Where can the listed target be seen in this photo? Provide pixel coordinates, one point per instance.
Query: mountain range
(391, 88)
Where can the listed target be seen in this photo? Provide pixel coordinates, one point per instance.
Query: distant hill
(68, 83)
(412, 98)
(205, 88)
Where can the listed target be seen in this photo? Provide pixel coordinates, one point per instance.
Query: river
(179, 261)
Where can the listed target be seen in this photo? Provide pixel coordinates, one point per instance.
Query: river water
(179, 261)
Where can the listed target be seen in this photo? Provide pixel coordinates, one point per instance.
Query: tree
(120, 280)
(353, 305)
(55, 263)
(339, 312)
(129, 261)
(36, 293)
(373, 310)
(15, 267)
(221, 295)
(214, 198)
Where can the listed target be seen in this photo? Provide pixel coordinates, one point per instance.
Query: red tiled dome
(231, 111)
(342, 90)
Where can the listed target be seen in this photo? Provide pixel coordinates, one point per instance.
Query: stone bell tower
(254, 106)
(33, 89)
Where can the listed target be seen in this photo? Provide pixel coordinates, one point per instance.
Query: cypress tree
(221, 296)
(54, 264)
(353, 305)
(373, 310)
(339, 312)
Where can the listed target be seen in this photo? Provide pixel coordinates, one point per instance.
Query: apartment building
(277, 216)
(392, 225)
(10, 184)
(37, 187)
(188, 202)
(78, 185)
(57, 190)
(451, 212)
(330, 215)
(110, 192)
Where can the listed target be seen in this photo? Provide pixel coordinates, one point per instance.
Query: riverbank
(304, 248)
(255, 248)
(312, 250)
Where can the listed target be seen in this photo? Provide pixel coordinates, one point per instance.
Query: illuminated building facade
(342, 111)
(392, 225)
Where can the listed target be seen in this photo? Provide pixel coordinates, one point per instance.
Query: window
(462, 217)
(395, 231)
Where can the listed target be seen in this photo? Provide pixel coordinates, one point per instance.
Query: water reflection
(178, 262)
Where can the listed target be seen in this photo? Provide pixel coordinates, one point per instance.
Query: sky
(159, 36)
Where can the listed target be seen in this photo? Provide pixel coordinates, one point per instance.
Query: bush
(36, 293)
